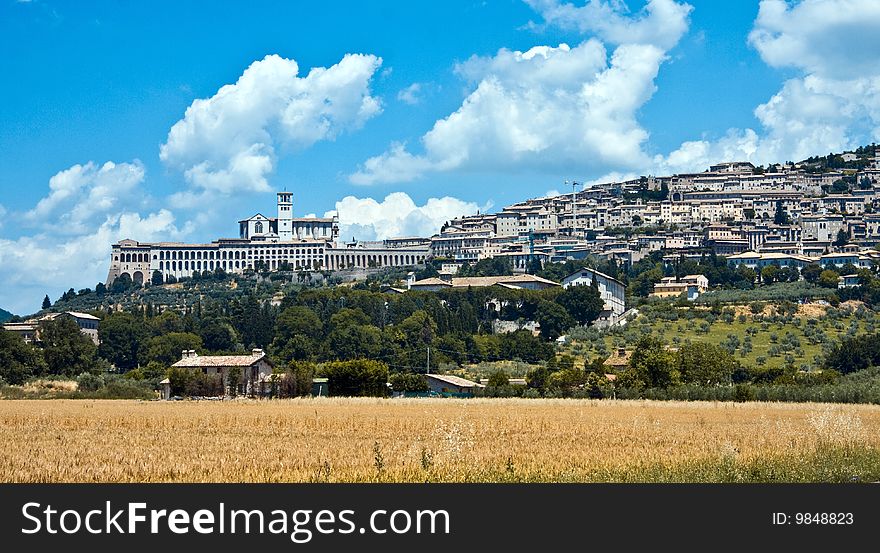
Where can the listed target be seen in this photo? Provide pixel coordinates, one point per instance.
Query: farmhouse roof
(198, 361)
(476, 282)
(77, 314)
(594, 271)
(454, 380)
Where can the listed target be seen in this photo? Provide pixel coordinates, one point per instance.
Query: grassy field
(488, 440)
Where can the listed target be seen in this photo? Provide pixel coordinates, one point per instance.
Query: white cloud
(80, 194)
(229, 142)
(550, 108)
(67, 236)
(828, 38)
(31, 266)
(660, 22)
(411, 95)
(557, 108)
(395, 216)
(833, 106)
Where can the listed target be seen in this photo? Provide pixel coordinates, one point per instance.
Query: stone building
(264, 243)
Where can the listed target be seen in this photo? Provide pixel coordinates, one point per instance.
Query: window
(258, 227)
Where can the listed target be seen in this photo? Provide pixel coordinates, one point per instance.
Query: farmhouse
(448, 384)
(254, 368)
(30, 330)
(524, 281)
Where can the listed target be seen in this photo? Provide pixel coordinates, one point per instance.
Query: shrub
(743, 392)
(360, 377)
(87, 382)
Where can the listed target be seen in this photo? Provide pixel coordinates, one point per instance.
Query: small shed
(449, 384)
(320, 387)
(165, 389)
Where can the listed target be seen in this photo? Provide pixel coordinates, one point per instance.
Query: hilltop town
(821, 210)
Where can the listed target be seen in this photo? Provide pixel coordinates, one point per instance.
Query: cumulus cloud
(67, 236)
(81, 193)
(828, 38)
(31, 266)
(833, 105)
(557, 108)
(230, 141)
(395, 216)
(660, 22)
(411, 95)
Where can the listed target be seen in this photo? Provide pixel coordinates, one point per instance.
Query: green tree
(534, 265)
(157, 279)
(811, 272)
(419, 329)
(828, 278)
(498, 378)
(842, 239)
(217, 334)
(67, 351)
(297, 379)
(854, 354)
(780, 217)
(298, 332)
(19, 361)
(408, 382)
(121, 337)
(166, 349)
(537, 377)
(121, 284)
(652, 365)
(47, 303)
(769, 274)
(583, 303)
(705, 364)
(360, 377)
(553, 319)
(352, 336)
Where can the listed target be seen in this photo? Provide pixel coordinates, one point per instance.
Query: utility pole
(428, 366)
(573, 206)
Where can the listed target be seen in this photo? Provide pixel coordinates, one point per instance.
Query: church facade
(264, 243)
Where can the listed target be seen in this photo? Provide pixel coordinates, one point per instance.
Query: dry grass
(45, 386)
(356, 440)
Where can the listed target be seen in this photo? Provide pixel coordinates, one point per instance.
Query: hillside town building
(789, 215)
(30, 329)
(267, 243)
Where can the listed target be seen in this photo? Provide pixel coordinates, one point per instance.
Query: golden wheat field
(419, 440)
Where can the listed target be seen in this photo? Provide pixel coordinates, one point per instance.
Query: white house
(613, 291)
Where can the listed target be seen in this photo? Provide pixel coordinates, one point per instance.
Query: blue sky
(425, 110)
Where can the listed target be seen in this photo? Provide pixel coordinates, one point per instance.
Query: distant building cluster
(785, 215)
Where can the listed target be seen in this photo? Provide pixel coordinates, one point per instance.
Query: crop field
(436, 440)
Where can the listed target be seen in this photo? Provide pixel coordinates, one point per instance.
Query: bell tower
(285, 216)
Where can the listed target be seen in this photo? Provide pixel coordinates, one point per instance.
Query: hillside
(179, 296)
(5, 315)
